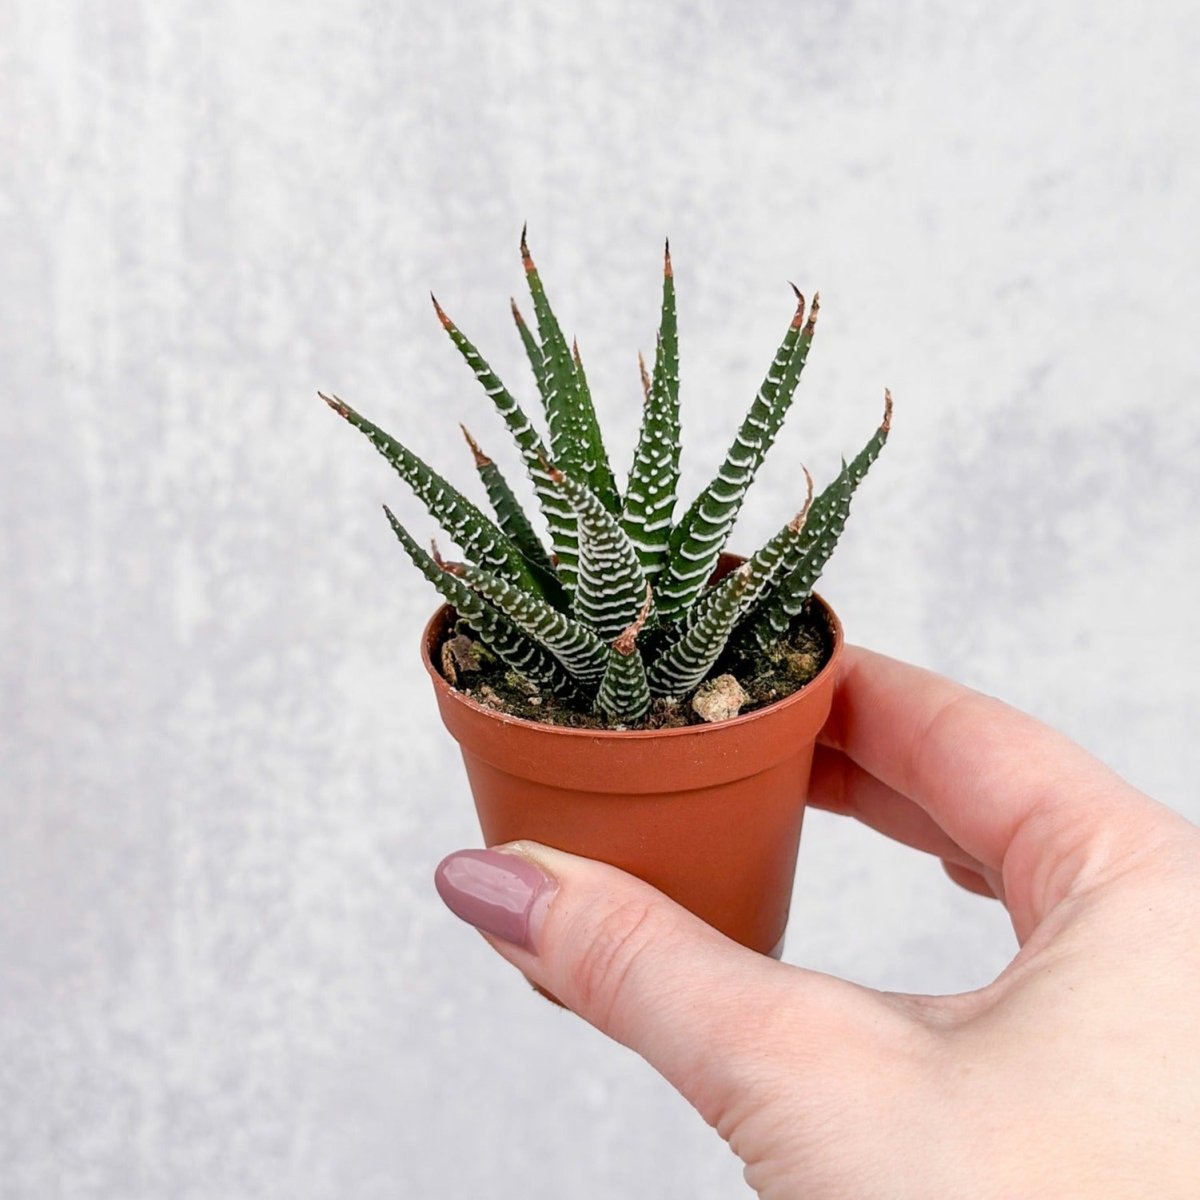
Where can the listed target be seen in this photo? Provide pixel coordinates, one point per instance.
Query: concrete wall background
(223, 969)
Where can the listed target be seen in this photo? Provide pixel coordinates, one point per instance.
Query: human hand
(1076, 1073)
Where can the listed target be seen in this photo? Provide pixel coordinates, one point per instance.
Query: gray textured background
(223, 969)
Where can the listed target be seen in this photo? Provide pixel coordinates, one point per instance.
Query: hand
(1076, 1073)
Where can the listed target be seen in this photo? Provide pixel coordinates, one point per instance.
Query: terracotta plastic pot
(708, 814)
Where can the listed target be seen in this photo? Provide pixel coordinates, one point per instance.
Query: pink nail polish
(497, 893)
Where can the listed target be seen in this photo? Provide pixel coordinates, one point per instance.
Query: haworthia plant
(620, 606)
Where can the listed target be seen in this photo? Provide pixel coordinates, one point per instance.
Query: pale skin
(1076, 1073)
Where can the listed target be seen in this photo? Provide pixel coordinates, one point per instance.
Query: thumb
(721, 1023)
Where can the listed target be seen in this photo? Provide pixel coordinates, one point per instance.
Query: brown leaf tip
(798, 316)
(812, 316)
(481, 459)
(668, 270)
(339, 406)
(645, 377)
(626, 641)
(798, 319)
(526, 257)
(575, 352)
(555, 474)
(887, 410)
(449, 567)
(441, 312)
(516, 312)
(796, 524)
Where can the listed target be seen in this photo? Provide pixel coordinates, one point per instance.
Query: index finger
(985, 772)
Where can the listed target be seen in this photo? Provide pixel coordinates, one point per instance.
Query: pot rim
(446, 689)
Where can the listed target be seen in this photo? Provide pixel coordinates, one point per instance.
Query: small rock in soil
(719, 699)
(460, 655)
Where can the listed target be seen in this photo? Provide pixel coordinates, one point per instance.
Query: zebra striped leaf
(770, 620)
(517, 651)
(611, 585)
(577, 647)
(509, 514)
(479, 538)
(654, 476)
(575, 438)
(560, 518)
(624, 694)
(684, 664)
(537, 360)
(761, 569)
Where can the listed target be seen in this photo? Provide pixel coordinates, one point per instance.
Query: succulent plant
(621, 607)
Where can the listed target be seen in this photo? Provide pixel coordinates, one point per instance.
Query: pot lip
(445, 689)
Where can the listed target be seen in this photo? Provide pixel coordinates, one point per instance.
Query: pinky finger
(971, 880)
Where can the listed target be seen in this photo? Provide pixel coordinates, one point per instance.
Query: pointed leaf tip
(516, 312)
(887, 410)
(526, 257)
(798, 319)
(449, 567)
(481, 459)
(668, 270)
(626, 641)
(441, 313)
(796, 524)
(645, 377)
(339, 406)
(812, 315)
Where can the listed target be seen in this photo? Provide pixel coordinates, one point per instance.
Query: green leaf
(611, 586)
(683, 665)
(479, 538)
(575, 439)
(576, 646)
(497, 633)
(624, 694)
(509, 514)
(696, 542)
(768, 622)
(560, 518)
(537, 360)
(761, 570)
(654, 476)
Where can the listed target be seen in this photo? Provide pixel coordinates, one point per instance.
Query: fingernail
(500, 894)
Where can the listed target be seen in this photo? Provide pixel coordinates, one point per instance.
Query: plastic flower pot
(708, 814)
